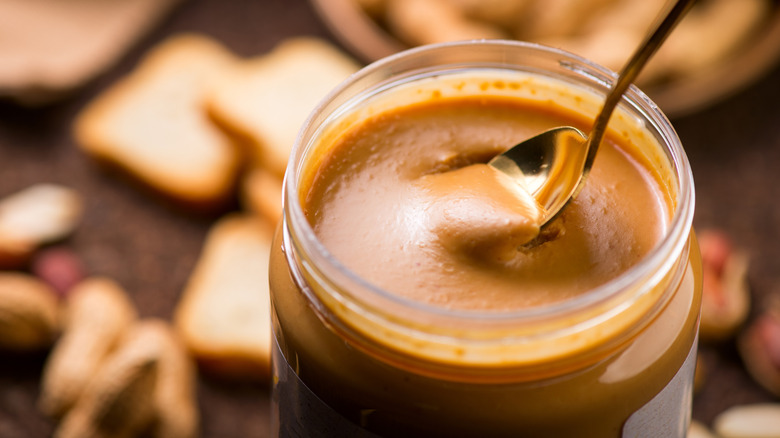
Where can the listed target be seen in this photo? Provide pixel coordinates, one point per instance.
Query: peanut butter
(415, 215)
(414, 294)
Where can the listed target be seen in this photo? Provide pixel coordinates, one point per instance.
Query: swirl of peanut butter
(404, 200)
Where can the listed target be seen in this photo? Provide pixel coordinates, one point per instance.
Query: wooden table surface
(734, 148)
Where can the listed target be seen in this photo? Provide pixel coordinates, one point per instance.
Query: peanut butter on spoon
(480, 210)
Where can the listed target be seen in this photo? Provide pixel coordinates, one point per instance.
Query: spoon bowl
(549, 166)
(552, 166)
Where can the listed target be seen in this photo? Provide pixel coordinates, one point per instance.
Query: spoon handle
(630, 72)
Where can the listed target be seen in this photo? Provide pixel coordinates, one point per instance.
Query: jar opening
(444, 59)
(355, 306)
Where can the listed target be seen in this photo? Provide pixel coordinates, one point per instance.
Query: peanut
(29, 313)
(176, 410)
(98, 312)
(759, 347)
(119, 400)
(749, 421)
(60, 268)
(725, 296)
(37, 215)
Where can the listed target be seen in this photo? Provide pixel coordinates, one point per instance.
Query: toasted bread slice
(270, 96)
(224, 313)
(261, 192)
(152, 123)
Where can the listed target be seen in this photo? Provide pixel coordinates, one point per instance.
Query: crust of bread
(270, 96)
(152, 125)
(223, 315)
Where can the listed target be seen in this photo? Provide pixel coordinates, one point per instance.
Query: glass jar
(351, 359)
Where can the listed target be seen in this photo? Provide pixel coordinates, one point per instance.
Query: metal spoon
(553, 165)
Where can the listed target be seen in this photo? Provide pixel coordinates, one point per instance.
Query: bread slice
(152, 124)
(50, 47)
(224, 313)
(261, 193)
(270, 96)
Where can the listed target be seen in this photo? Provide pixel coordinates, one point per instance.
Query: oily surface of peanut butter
(405, 201)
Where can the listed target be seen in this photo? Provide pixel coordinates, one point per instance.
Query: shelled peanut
(108, 374)
(726, 296)
(759, 346)
(725, 318)
(725, 312)
(31, 218)
(59, 267)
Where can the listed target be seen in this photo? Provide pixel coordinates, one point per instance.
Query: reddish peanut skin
(726, 296)
(60, 267)
(759, 346)
(769, 331)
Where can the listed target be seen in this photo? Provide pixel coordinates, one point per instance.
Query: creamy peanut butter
(402, 201)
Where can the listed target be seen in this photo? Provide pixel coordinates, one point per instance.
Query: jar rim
(659, 259)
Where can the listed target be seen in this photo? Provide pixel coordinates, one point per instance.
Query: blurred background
(725, 106)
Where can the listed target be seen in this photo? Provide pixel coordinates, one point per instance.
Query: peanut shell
(176, 410)
(118, 401)
(97, 314)
(29, 313)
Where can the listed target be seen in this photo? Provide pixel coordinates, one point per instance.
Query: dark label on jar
(298, 412)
